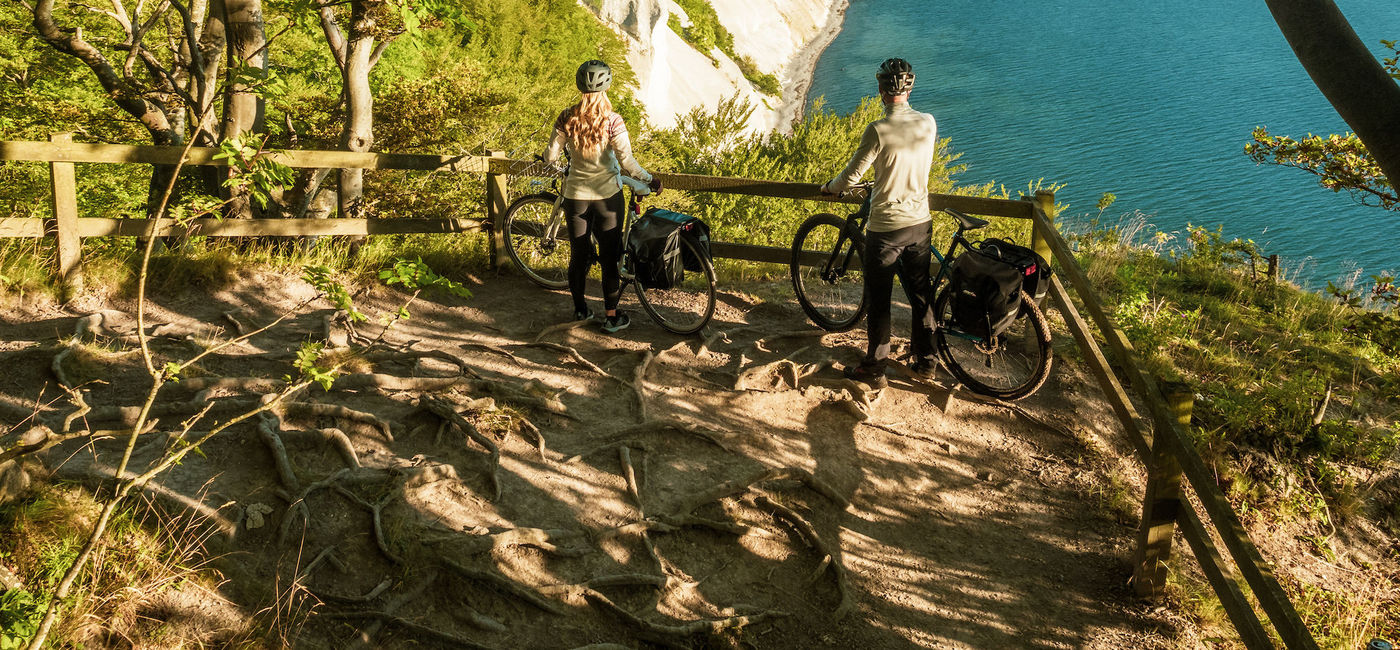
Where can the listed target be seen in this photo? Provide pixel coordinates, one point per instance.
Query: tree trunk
(359, 113)
(243, 105)
(1346, 73)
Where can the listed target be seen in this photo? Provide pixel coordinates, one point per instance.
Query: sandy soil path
(966, 525)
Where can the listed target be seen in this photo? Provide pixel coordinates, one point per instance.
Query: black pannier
(1034, 271)
(659, 261)
(985, 293)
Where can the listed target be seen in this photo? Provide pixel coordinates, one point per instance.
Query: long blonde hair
(587, 125)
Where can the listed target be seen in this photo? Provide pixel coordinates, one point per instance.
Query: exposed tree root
(799, 334)
(891, 429)
(382, 618)
(317, 409)
(127, 415)
(494, 349)
(736, 486)
(333, 437)
(366, 638)
(675, 634)
(1021, 412)
(505, 392)
(378, 589)
(547, 540)
(503, 584)
(443, 409)
(415, 356)
(829, 560)
(376, 509)
(268, 425)
(560, 327)
(709, 342)
(573, 354)
(57, 365)
(627, 436)
(232, 318)
(639, 377)
(526, 425)
(297, 505)
(776, 376)
(618, 580)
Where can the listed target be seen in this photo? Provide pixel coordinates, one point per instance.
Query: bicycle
(537, 242)
(828, 276)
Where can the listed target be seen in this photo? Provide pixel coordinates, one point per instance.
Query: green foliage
(335, 292)
(254, 170)
(417, 276)
(306, 363)
(20, 614)
(1341, 162)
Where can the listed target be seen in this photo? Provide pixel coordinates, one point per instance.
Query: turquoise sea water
(1153, 101)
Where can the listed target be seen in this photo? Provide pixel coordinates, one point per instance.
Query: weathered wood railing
(1161, 438)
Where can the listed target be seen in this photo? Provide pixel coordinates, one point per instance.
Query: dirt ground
(963, 524)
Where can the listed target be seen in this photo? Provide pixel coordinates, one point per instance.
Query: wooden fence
(1161, 436)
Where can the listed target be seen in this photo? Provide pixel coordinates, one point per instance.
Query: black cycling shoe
(586, 314)
(871, 374)
(924, 369)
(615, 324)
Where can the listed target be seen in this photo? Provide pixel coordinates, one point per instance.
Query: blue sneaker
(615, 324)
(586, 314)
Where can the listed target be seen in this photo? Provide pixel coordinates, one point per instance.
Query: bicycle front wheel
(1011, 366)
(828, 273)
(686, 307)
(537, 241)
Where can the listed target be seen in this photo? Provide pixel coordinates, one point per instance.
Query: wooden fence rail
(1161, 438)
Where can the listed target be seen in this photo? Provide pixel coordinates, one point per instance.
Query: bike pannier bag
(655, 245)
(985, 293)
(1034, 271)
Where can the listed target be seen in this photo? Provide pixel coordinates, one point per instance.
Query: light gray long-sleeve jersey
(900, 146)
(597, 177)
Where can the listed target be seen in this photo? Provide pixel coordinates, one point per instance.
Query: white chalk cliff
(782, 37)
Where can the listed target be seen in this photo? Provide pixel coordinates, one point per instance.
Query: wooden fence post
(1045, 201)
(65, 213)
(1161, 504)
(1273, 268)
(496, 213)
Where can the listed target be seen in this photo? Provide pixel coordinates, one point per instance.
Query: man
(900, 147)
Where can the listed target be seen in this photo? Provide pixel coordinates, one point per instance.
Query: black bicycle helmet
(593, 76)
(896, 77)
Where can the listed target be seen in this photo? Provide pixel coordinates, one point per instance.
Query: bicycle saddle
(966, 222)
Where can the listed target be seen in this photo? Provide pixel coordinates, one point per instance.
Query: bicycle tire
(835, 302)
(688, 307)
(544, 261)
(1022, 370)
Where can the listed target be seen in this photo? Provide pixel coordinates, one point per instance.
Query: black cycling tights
(602, 220)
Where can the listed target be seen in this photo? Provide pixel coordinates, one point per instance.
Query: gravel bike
(828, 275)
(537, 241)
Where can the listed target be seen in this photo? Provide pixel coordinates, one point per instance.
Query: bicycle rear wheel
(828, 272)
(538, 245)
(686, 307)
(1011, 367)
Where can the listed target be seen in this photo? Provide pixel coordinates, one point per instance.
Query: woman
(599, 151)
